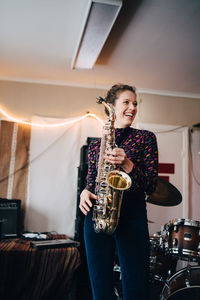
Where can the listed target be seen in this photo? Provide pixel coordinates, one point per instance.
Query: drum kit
(178, 241)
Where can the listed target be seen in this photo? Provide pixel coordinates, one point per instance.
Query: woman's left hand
(118, 157)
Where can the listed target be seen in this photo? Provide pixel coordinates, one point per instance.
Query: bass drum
(183, 285)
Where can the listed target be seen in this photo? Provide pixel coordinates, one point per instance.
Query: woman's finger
(84, 207)
(83, 210)
(86, 203)
(93, 196)
(115, 159)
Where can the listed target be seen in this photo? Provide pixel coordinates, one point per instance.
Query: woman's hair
(115, 91)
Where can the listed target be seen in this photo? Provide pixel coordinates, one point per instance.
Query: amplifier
(9, 217)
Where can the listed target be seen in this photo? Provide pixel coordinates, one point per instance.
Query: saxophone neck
(110, 109)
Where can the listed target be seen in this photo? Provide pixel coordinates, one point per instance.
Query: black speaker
(9, 218)
(83, 282)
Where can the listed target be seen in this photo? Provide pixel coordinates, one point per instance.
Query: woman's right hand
(85, 202)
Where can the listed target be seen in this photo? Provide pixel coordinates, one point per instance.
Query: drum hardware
(152, 260)
(166, 194)
(187, 236)
(175, 242)
(187, 283)
(117, 268)
(117, 281)
(117, 294)
(176, 228)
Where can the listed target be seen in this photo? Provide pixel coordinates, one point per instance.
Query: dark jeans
(131, 240)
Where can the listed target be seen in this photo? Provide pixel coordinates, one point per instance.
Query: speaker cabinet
(9, 217)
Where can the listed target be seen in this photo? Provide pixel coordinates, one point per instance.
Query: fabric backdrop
(53, 173)
(14, 161)
(195, 173)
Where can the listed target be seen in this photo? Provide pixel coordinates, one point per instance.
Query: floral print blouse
(140, 147)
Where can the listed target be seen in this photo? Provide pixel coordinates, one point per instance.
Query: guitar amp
(9, 217)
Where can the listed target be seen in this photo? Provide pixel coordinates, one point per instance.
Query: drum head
(192, 293)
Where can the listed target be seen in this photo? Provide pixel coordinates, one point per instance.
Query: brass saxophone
(110, 183)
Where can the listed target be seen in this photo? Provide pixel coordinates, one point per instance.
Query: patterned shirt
(140, 147)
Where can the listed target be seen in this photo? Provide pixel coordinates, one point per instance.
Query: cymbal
(166, 194)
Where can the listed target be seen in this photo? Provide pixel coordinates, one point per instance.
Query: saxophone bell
(119, 180)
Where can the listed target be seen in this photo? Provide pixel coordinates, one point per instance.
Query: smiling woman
(126, 96)
(135, 153)
(125, 109)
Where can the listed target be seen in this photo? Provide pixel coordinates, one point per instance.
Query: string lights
(87, 115)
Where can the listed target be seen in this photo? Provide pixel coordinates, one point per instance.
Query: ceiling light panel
(99, 21)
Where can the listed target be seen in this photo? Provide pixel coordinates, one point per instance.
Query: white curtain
(195, 174)
(52, 185)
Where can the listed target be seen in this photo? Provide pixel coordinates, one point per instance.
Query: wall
(169, 110)
(26, 99)
(23, 100)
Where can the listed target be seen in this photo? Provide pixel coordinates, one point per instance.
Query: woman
(136, 154)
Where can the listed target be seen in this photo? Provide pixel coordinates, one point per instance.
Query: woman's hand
(85, 202)
(118, 157)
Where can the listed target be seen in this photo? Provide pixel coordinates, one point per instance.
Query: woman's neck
(121, 127)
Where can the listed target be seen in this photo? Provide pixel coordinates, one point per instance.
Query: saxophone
(110, 183)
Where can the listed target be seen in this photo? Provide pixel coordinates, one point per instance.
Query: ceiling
(154, 45)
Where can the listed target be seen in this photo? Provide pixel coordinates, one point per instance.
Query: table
(36, 274)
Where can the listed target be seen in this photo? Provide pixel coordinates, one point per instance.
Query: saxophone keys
(103, 184)
(101, 201)
(109, 199)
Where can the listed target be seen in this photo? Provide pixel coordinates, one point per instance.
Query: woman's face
(125, 109)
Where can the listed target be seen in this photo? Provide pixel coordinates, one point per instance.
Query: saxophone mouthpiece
(100, 100)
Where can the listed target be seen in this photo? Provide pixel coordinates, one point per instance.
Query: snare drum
(183, 285)
(183, 238)
(162, 266)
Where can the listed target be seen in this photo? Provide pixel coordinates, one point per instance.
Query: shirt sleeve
(92, 166)
(145, 170)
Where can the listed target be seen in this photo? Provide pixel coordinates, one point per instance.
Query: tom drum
(183, 238)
